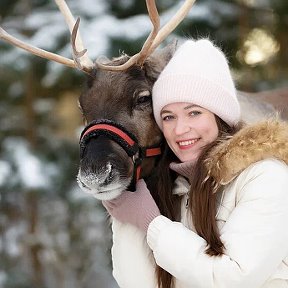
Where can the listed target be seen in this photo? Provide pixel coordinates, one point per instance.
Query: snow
(12, 235)
(40, 19)
(90, 8)
(31, 172)
(29, 168)
(5, 171)
(16, 89)
(3, 278)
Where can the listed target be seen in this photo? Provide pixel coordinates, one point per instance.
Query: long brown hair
(202, 199)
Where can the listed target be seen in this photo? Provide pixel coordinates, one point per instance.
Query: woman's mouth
(187, 143)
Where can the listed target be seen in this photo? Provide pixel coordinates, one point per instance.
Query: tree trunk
(32, 195)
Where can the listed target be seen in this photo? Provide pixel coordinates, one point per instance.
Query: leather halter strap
(124, 138)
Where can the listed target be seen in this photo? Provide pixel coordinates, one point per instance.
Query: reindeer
(122, 141)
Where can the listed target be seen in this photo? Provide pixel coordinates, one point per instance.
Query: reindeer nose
(96, 176)
(103, 175)
(107, 175)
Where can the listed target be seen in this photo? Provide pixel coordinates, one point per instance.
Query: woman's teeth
(188, 142)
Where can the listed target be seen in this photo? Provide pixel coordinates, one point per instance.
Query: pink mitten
(137, 208)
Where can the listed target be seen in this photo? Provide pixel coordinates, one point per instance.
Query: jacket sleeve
(132, 259)
(255, 235)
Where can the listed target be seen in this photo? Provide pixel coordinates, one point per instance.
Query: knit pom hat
(198, 73)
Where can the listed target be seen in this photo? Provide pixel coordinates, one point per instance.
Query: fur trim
(266, 139)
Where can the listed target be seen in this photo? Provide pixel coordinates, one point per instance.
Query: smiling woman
(188, 129)
(224, 179)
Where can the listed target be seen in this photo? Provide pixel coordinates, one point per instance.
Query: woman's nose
(181, 127)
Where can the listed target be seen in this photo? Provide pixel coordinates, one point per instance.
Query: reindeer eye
(144, 98)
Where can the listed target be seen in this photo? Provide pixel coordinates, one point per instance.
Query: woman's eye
(195, 113)
(167, 118)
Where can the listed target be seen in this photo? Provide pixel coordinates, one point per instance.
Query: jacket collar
(182, 168)
(254, 142)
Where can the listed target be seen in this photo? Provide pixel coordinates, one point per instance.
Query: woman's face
(187, 128)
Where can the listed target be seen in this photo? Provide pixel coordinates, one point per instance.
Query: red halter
(124, 138)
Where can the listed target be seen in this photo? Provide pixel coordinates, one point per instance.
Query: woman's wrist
(155, 227)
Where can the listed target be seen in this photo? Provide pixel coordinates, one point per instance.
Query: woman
(231, 229)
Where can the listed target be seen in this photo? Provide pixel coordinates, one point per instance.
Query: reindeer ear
(156, 62)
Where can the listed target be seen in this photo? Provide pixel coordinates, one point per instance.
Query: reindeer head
(117, 105)
(122, 100)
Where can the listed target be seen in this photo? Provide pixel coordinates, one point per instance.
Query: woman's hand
(137, 208)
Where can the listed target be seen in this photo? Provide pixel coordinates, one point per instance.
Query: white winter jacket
(252, 218)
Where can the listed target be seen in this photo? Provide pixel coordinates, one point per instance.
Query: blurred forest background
(51, 234)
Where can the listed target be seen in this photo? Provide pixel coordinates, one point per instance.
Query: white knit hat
(198, 73)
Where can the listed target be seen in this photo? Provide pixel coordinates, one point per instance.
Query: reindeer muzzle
(122, 137)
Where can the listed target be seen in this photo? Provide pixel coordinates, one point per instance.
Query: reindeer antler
(34, 50)
(155, 38)
(81, 61)
(171, 25)
(141, 56)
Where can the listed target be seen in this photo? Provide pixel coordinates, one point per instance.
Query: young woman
(223, 222)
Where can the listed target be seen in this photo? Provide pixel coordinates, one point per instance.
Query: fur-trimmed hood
(254, 142)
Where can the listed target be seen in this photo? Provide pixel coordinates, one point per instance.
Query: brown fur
(253, 143)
